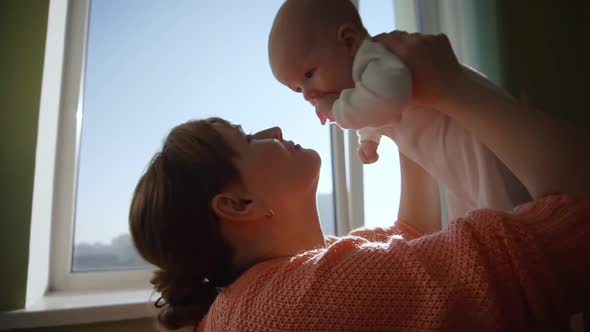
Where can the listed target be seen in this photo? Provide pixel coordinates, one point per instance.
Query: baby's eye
(309, 73)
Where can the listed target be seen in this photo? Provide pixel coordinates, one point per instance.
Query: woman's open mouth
(291, 145)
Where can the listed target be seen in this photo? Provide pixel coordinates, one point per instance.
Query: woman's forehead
(226, 124)
(232, 133)
(238, 128)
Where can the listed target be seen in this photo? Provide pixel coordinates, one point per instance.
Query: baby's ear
(350, 36)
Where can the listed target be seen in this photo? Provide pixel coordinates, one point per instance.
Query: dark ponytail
(182, 302)
(173, 226)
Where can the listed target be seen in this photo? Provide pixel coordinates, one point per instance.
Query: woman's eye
(309, 74)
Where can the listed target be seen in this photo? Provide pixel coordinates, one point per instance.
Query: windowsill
(66, 308)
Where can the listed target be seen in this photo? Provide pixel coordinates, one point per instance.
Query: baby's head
(312, 45)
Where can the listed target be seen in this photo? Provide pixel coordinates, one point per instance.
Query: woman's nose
(274, 132)
(277, 132)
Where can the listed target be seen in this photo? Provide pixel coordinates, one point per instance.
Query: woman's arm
(419, 204)
(419, 208)
(546, 154)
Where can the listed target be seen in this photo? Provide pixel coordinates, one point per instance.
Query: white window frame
(66, 166)
(76, 15)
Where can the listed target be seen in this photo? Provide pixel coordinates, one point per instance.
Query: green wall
(544, 46)
(23, 27)
(484, 32)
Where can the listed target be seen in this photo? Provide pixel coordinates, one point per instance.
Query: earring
(269, 213)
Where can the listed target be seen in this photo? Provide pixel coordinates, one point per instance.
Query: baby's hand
(323, 107)
(367, 152)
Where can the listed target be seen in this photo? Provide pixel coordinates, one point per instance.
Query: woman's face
(273, 169)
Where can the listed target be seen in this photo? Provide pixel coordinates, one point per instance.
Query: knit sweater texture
(523, 270)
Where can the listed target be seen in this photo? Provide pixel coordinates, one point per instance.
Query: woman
(230, 220)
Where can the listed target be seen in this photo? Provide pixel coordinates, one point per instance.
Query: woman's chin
(318, 162)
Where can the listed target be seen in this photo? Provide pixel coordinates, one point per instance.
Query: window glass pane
(382, 179)
(152, 65)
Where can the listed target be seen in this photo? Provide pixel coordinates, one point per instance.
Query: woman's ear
(233, 208)
(351, 37)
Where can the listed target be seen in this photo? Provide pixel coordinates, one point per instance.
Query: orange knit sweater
(524, 270)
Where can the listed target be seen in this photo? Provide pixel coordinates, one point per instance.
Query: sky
(154, 64)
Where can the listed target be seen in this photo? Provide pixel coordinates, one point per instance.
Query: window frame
(67, 143)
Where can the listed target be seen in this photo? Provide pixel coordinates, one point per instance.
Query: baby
(321, 49)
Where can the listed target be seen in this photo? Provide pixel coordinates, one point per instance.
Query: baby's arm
(382, 87)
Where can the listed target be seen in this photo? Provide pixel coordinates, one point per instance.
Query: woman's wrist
(457, 94)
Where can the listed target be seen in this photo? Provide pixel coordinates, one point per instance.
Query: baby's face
(312, 67)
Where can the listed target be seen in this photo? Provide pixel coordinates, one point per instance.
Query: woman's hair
(173, 225)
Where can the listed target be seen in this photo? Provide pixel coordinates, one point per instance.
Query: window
(153, 65)
(381, 180)
(134, 69)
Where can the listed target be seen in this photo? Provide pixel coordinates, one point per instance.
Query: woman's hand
(430, 58)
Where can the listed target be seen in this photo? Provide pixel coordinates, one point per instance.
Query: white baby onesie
(382, 86)
(471, 174)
